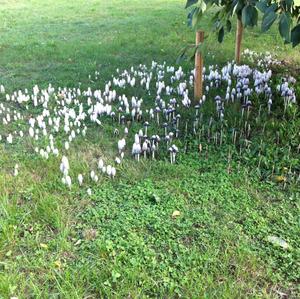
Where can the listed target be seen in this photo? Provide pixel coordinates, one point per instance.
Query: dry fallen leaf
(280, 178)
(78, 242)
(45, 246)
(57, 264)
(90, 234)
(8, 253)
(278, 242)
(175, 214)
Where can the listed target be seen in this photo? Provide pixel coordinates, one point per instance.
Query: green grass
(122, 242)
(64, 42)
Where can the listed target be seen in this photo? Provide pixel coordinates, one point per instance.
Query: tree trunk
(238, 41)
(198, 84)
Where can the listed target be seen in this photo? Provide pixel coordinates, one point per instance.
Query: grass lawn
(122, 242)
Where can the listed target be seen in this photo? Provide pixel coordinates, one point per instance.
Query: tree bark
(238, 41)
(198, 84)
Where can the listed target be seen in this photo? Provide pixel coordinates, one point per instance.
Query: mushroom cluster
(149, 108)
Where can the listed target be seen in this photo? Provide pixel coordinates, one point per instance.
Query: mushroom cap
(174, 148)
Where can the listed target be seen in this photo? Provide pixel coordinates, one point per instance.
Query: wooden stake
(198, 84)
(238, 41)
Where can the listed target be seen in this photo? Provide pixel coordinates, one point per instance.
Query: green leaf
(228, 25)
(221, 34)
(295, 35)
(262, 5)
(190, 3)
(268, 19)
(215, 18)
(284, 26)
(202, 6)
(182, 56)
(237, 9)
(196, 17)
(190, 16)
(289, 4)
(195, 49)
(249, 16)
(272, 7)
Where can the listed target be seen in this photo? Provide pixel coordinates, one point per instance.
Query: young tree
(246, 12)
